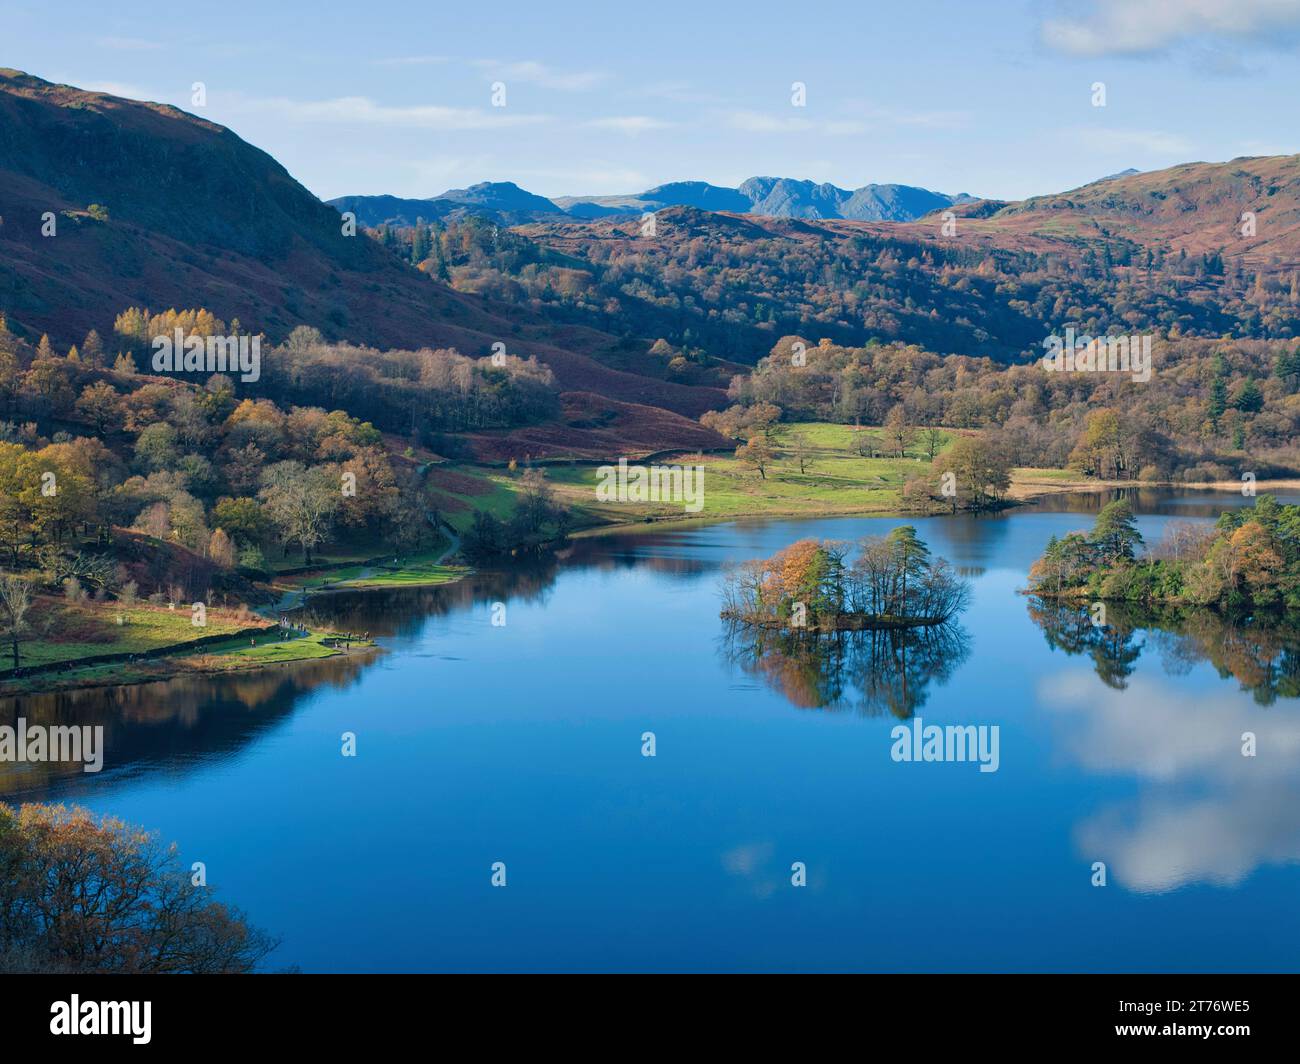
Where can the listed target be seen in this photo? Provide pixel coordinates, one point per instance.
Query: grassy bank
(417, 570)
(72, 632)
(834, 479)
(234, 654)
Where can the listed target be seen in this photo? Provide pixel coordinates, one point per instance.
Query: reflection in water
(1206, 813)
(1262, 654)
(1144, 771)
(1209, 812)
(1171, 502)
(872, 671)
(171, 725)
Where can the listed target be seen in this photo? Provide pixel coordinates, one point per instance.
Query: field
(88, 630)
(417, 570)
(835, 479)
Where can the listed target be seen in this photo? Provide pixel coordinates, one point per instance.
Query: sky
(996, 98)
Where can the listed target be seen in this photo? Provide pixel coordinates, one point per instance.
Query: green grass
(411, 575)
(271, 650)
(415, 570)
(835, 479)
(146, 628)
(330, 557)
(1029, 473)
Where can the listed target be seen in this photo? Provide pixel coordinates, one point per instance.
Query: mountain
(1193, 208)
(1202, 249)
(698, 194)
(503, 202)
(775, 197)
(187, 214)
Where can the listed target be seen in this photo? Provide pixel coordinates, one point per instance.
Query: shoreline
(190, 659)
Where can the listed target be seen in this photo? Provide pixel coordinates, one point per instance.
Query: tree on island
(1115, 534)
(1250, 559)
(891, 583)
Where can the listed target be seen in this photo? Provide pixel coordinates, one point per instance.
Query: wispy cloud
(1124, 27)
(769, 122)
(532, 72)
(363, 111)
(677, 92)
(412, 60)
(1127, 141)
(897, 116)
(629, 124)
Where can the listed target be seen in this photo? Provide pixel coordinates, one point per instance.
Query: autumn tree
(85, 893)
(100, 405)
(898, 429)
(15, 602)
(301, 502)
(756, 454)
(800, 448)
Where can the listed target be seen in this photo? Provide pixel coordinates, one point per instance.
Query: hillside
(194, 216)
(1195, 208)
(1160, 251)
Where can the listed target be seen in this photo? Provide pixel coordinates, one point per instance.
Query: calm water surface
(522, 744)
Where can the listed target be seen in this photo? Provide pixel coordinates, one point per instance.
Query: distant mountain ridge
(502, 201)
(775, 197)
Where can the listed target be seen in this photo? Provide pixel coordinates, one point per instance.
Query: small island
(811, 586)
(1249, 560)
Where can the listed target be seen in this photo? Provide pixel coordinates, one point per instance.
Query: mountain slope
(1197, 208)
(197, 217)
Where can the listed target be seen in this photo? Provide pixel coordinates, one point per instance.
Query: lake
(521, 743)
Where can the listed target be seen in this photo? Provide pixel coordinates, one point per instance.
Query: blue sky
(993, 98)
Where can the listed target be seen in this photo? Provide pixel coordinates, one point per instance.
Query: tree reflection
(872, 672)
(1261, 653)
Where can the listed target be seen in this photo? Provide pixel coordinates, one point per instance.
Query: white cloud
(534, 73)
(1203, 813)
(1128, 141)
(1128, 27)
(677, 92)
(629, 124)
(767, 122)
(894, 116)
(363, 111)
(413, 60)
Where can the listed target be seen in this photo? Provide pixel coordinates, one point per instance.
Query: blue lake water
(523, 744)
